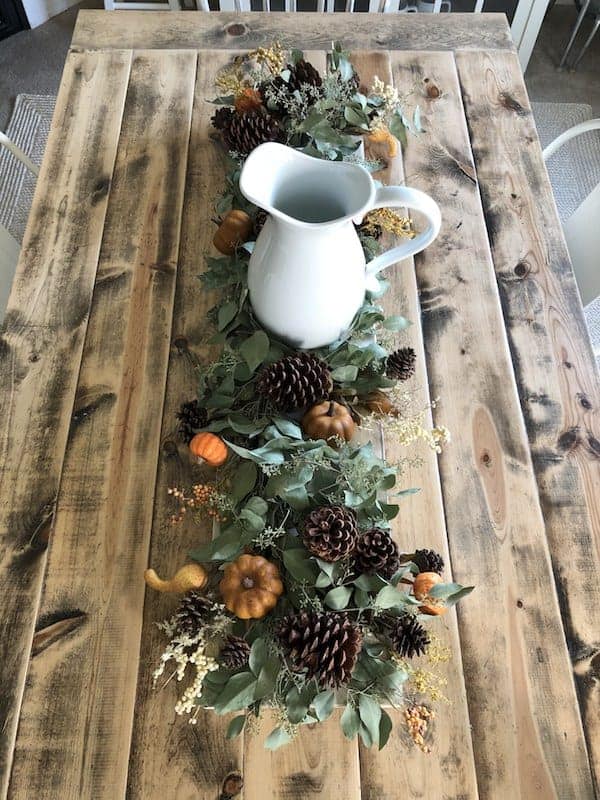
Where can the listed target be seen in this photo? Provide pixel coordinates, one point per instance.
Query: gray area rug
(574, 170)
(28, 129)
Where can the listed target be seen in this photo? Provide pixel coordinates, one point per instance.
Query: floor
(32, 61)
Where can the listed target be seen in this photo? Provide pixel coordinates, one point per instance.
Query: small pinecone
(376, 551)
(326, 645)
(222, 117)
(259, 221)
(194, 610)
(330, 532)
(409, 637)
(249, 130)
(235, 652)
(401, 364)
(302, 73)
(428, 561)
(191, 418)
(295, 381)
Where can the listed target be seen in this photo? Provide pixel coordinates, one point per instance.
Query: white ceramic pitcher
(307, 275)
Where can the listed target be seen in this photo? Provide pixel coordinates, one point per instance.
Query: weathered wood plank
(397, 771)
(308, 31)
(169, 757)
(554, 364)
(41, 345)
(75, 726)
(527, 733)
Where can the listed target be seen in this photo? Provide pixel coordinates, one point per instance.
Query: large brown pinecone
(235, 652)
(326, 645)
(295, 381)
(408, 637)
(195, 609)
(376, 551)
(302, 73)
(191, 418)
(247, 131)
(330, 532)
(401, 364)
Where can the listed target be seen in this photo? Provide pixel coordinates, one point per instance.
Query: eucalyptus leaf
(324, 704)
(237, 693)
(396, 323)
(259, 653)
(245, 480)
(389, 597)
(300, 565)
(297, 702)
(385, 728)
(236, 726)
(338, 598)
(370, 715)
(323, 581)
(255, 349)
(345, 374)
(277, 738)
(350, 722)
(226, 313)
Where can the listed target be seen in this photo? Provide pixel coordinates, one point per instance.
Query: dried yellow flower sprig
(273, 57)
(389, 221)
(408, 425)
(417, 720)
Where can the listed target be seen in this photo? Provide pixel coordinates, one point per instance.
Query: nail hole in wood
(584, 402)
(521, 269)
(181, 343)
(34, 357)
(486, 460)
(169, 448)
(519, 604)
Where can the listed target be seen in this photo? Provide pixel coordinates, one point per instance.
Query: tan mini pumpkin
(209, 448)
(191, 576)
(234, 230)
(422, 585)
(251, 587)
(328, 420)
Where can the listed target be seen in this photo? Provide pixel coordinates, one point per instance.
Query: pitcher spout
(303, 190)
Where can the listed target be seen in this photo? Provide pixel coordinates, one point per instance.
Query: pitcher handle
(403, 196)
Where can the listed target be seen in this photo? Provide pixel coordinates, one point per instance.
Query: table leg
(582, 14)
(588, 41)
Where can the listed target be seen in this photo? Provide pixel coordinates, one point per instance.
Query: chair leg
(588, 41)
(582, 14)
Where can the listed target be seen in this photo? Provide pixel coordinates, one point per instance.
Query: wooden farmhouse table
(104, 329)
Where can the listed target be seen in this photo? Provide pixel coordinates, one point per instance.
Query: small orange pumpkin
(328, 420)
(209, 448)
(233, 231)
(251, 587)
(422, 585)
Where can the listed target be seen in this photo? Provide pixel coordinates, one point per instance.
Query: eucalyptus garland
(303, 600)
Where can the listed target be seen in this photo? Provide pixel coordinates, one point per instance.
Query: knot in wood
(236, 29)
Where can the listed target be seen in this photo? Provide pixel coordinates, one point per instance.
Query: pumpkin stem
(247, 582)
(330, 412)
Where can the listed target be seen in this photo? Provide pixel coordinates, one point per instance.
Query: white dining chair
(582, 229)
(9, 246)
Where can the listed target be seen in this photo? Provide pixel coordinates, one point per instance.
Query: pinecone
(259, 221)
(428, 561)
(401, 364)
(295, 381)
(330, 532)
(194, 610)
(326, 645)
(235, 652)
(247, 131)
(302, 73)
(222, 117)
(191, 418)
(376, 551)
(408, 637)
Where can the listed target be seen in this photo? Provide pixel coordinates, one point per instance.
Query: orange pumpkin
(422, 585)
(209, 448)
(328, 420)
(251, 587)
(234, 230)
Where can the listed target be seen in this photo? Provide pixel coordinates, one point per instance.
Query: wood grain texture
(309, 31)
(401, 770)
(169, 757)
(554, 365)
(75, 726)
(527, 733)
(40, 350)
